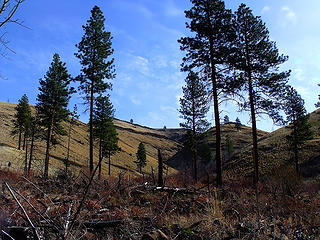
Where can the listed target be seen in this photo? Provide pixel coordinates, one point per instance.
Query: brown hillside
(130, 135)
(274, 153)
(240, 139)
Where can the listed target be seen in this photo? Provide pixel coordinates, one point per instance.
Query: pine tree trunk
(46, 162)
(194, 155)
(109, 172)
(26, 160)
(68, 151)
(19, 145)
(216, 116)
(253, 117)
(31, 151)
(296, 157)
(254, 131)
(91, 130)
(24, 141)
(160, 169)
(100, 159)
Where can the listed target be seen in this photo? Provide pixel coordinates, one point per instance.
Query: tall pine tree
(94, 52)
(53, 100)
(299, 123)
(104, 130)
(22, 119)
(258, 60)
(208, 52)
(193, 109)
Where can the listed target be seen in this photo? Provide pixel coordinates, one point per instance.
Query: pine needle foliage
(94, 53)
(299, 123)
(257, 60)
(52, 105)
(193, 109)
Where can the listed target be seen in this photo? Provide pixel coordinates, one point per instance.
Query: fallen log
(99, 224)
(173, 190)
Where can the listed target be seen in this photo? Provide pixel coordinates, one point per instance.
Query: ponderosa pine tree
(141, 157)
(104, 130)
(317, 104)
(22, 118)
(258, 61)
(208, 52)
(53, 100)
(226, 119)
(94, 52)
(299, 123)
(193, 109)
(238, 124)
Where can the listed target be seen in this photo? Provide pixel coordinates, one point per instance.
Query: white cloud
(289, 16)
(141, 64)
(135, 100)
(265, 9)
(298, 74)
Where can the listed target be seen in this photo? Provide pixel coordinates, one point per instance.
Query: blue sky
(147, 56)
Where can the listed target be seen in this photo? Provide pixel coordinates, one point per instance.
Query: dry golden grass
(130, 135)
(274, 152)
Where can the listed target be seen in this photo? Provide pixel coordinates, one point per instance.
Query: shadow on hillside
(311, 168)
(6, 145)
(72, 163)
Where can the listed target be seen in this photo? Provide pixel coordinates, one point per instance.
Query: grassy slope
(240, 140)
(130, 136)
(274, 154)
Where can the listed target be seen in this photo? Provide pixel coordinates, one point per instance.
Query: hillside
(130, 135)
(240, 139)
(274, 155)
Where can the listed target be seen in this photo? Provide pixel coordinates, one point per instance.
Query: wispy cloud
(172, 10)
(135, 100)
(289, 16)
(265, 9)
(137, 7)
(141, 64)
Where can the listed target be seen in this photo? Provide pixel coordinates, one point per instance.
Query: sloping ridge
(274, 154)
(130, 135)
(241, 138)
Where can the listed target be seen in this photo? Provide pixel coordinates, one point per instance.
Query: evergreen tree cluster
(104, 130)
(233, 54)
(194, 108)
(22, 120)
(55, 91)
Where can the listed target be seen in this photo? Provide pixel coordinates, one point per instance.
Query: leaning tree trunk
(216, 116)
(160, 169)
(295, 145)
(46, 162)
(91, 130)
(109, 170)
(68, 149)
(100, 159)
(254, 132)
(19, 144)
(194, 154)
(26, 160)
(24, 141)
(31, 151)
